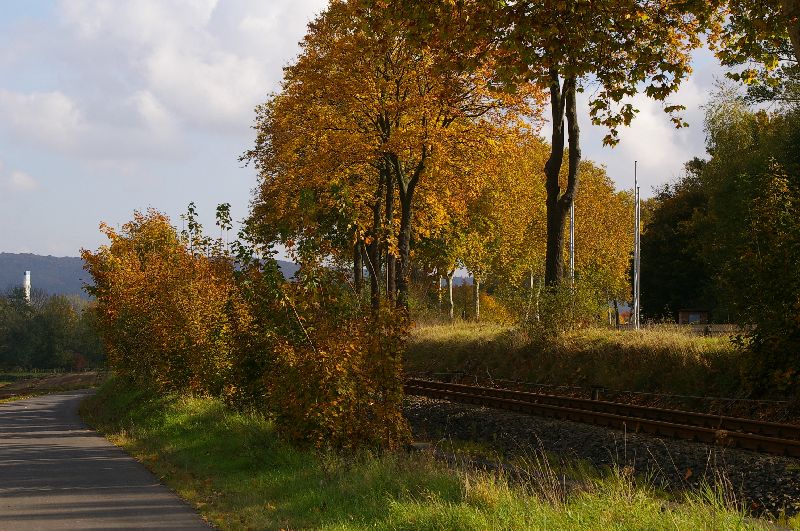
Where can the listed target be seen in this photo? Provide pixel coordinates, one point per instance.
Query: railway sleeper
(726, 438)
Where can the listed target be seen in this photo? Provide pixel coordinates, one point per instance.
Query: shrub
(339, 382)
(564, 308)
(177, 318)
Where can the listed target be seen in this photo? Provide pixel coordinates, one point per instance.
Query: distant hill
(61, 275)
(58, 275)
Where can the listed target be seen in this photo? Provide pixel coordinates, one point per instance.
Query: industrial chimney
(26, 287)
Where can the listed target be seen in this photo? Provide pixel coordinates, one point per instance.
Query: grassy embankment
(239, 474)
(658, 360)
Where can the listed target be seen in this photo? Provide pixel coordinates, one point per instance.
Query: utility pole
(636, 249)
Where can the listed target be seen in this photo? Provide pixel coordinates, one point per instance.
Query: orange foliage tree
(617, 47)
(371, 137)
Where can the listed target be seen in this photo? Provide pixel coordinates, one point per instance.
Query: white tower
(26, 287)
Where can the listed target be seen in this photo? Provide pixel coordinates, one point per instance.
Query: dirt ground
(52, 383)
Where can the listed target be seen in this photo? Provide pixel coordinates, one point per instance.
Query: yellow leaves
(161, 308)
(360, 92)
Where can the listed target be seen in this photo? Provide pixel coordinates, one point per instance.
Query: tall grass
(237, 472)
(661, 359)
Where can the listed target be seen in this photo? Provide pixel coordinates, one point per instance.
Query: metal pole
(572, 244)
(638, 258)
(636, 250)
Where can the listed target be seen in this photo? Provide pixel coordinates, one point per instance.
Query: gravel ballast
(766, 484)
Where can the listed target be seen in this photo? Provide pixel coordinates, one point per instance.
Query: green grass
(240, 475)
(658, 360)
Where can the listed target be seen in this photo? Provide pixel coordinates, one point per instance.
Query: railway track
(748, 434)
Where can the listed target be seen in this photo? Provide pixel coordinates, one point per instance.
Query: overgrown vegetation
(731, 226)
(178, 316)
(50, 332)
(665, 360)
(240, 474)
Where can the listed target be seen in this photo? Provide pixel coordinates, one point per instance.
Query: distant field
(17, 384)
(7, 378)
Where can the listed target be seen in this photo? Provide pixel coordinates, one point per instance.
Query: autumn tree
(760, 42)
(617, 48)
(503, 234)
(603, 234)
(372, 116)
(164, 307)
(440, 251)
(519, 215)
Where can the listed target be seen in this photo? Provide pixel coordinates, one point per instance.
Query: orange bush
(306, 353)
(164, 312)
(339, 382)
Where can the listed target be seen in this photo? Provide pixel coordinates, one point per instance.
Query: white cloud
(138, 127)
(50, 119)
(259, 25)
(653, 140)
(218, 89)
(17, 181)
(22, 182)
(139, 23)
(154, 114)
(138, 79)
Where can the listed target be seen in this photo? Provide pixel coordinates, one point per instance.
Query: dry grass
(664, 359)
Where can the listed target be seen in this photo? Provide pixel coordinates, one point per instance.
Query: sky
(110, 107)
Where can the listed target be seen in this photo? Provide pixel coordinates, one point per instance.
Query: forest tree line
(726, 236)
(49, 332)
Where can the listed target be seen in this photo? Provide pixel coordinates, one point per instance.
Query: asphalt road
(55, 473)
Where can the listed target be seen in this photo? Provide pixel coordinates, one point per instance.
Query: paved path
(55, 473)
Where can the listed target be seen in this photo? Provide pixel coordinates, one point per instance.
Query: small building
(692, 316)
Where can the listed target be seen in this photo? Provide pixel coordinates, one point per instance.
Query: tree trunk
(358, 268)
(558, 203)
(391, 259)
(616, 314)
(476, 296)
(406, 184)
(450, 301)
(791, 9)
(531, 298)
(374, 268)
(373, 250)
(404, 246)
(439, 289)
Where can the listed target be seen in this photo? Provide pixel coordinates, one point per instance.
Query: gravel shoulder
(765, 483)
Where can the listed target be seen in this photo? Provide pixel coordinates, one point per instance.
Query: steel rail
(768, 437)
